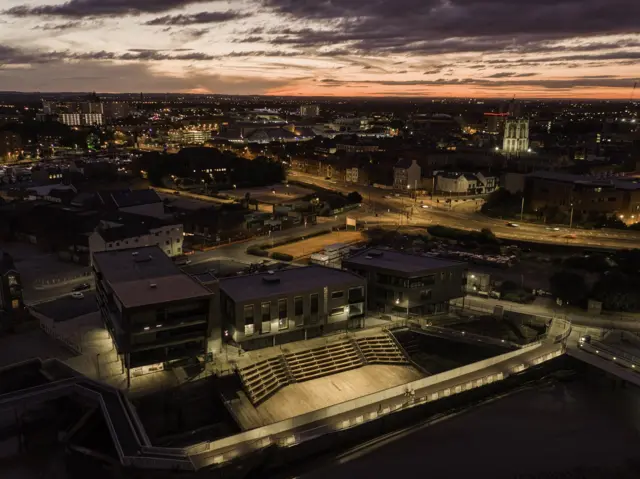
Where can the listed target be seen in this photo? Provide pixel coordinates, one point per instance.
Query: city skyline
(457, 48)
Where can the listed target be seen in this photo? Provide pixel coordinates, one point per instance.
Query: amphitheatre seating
(381, 350)
(330, 359)
(263, 378)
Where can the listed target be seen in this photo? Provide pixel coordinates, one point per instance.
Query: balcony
(171, 340)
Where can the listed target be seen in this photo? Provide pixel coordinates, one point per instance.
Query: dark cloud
(450, 26)
(510, 75)
(15, 56)
(101, 8)
(110, 77)
(198, 18)
(59, 27)
(595, 81)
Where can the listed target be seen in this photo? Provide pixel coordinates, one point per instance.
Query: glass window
(298, 306)
(265, 312)
(337, 294)
(248, 314)
(283, 322)
(248, 319)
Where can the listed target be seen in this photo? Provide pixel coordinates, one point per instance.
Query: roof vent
(153, 285)
(271, 279)
(375, 254)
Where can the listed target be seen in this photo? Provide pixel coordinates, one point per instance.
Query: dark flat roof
(393, 260)
(253, 286)
(147, 277)
(66, 308)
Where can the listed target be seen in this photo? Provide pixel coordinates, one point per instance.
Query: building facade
(406, 284)
(309, 111)
(154, 313)
(516, 137)
(266, 309)
(584, 194)
(407, 174)
(10, 286)
(118, 235)
(10, 145)
(465, 183)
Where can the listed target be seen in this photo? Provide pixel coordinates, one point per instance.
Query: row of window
(135, 240)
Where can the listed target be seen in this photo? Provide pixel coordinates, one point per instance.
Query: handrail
(465, 334)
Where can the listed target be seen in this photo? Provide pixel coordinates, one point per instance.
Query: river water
(577, 429)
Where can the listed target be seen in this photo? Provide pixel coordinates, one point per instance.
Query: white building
(92, 119)
(81, 119)
(114, 235)
(70, 119)
(454, 183)
(516, 137)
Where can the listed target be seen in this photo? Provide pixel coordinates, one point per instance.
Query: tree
(354, 197)
(618, 292)
(569, 286)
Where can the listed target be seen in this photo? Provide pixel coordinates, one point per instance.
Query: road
(549, 309)
(394, 210)
(237, 251)
(34, 296)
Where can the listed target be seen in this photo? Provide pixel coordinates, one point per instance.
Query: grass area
(309, 246)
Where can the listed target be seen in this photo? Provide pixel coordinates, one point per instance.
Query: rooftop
(615, 182)
(66, 308)
(397, 261)
(141, 276)
(127, 198)
(262, 285)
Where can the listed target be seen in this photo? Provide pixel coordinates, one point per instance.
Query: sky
(408, 48)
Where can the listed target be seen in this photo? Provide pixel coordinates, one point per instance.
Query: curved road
(391, 209)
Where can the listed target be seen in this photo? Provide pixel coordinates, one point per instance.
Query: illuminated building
(516, 137)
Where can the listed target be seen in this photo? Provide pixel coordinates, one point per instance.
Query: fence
(49, 327)
(60, 280)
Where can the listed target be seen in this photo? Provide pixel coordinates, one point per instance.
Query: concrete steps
(323, 361)
(263, 378)
(381, 350)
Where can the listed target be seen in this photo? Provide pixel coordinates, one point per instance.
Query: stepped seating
(381, 350)
(263, 378)
(323, 361)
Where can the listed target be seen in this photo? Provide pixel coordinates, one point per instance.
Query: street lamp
(571, 217)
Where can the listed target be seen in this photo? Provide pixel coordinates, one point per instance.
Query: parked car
(82, 287)
(513, 225)
(77, 295)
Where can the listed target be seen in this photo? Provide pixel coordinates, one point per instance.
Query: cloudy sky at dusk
(494, 48)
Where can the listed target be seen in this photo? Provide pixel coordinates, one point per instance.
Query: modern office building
(266, 309)
(407, 284)
(155, 313)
